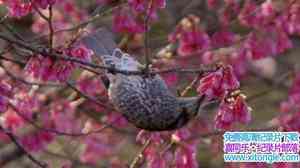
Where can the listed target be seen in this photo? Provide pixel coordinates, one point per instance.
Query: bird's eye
(117, 53)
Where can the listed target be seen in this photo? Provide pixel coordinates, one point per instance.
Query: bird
(144, 100)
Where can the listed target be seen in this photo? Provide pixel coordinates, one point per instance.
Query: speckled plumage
(145, 101)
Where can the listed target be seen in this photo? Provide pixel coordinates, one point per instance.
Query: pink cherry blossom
(292, 104)
(101, 146)
(90, 85)
(138, 5)
(81, 52)
(171, 79)
(239, 61)
(47, 68)
(259, 47)
(191, 38)
(267, 8)
(192, 42)
(215, 84)
(223, 38)
(17, 8)
(185, 156)
(232, 110)
(20, 8)
(12, 121)
(36, 141)
(117, 120)
(290, 122)
(154, 160)
(124, 22)
(63, 117)
(212, 3)
(290, 109)
(142, 6)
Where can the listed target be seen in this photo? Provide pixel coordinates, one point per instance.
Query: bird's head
(190, 105)
(188, 108)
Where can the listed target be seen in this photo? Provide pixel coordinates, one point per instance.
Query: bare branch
(51, 29)
(146, 41)
(139, 155)
(190, 86)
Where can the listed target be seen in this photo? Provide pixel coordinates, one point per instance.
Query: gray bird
(144, 100)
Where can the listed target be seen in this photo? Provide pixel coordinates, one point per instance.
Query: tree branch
(46, 53)
(139, 155)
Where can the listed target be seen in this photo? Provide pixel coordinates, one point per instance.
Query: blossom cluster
(158, 155)
(223, 84)
(19, 8)
(290, 109)
(132, 19)
(45, 67)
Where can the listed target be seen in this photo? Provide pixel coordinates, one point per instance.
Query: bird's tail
(101, 42)
(104, 47)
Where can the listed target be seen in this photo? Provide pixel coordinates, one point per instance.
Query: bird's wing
(103, 45)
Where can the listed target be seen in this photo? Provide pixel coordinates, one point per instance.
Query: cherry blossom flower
(290, 109)
(215, 84)
(142, 6)
(17, 8)
(36, 141)
(232, 109)
(212, 3)
(185, 156)
(47, 68)
(12, 121)
(223, 38)
(191, 38)
(124, 22)
(63, 117)
(192, 42)
(20, 8)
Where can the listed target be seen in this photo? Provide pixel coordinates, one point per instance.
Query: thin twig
(39, 12)
(190, 86)
(51, 29)
(139, 155)
(146, 41)
(12, 31)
